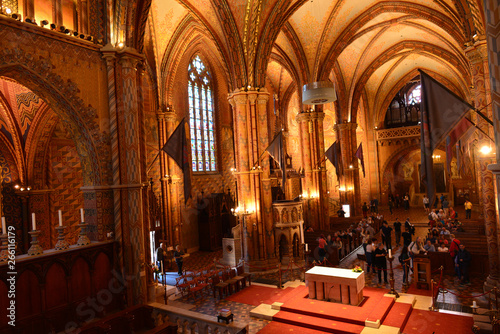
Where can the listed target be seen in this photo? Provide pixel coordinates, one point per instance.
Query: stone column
(125, 132)
(254, 186)
(313, 154)
(492, 17)
(490, 218)
(346, 134)
(169, 191)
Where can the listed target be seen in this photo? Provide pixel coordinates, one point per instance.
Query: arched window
(415, 96)
(201, 117)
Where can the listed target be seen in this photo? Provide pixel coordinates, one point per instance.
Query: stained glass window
(415, 96)
(201, 118)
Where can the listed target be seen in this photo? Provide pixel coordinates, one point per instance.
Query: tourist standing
(397, 231)
(386, 231)
(404, 260)
(426, 203)
(468, 209)
(364, 208)
(381, 262)
(178, 259)
(391, 205)
(454, 248)
(160, 257)
(446, 206)
(406, 202)
(463, 259)
(321, 246)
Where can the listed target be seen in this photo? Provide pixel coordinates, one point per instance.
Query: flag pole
(478, 111)
(152, 163)
(482, 131)
(321, 161)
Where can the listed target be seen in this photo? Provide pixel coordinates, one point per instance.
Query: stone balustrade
(190, 322)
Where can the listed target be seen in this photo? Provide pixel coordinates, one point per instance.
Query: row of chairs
(224, 281)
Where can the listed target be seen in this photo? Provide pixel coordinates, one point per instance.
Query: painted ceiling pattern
(368, 47)
(18, 106)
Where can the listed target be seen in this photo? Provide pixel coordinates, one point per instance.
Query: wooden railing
(194, 322)
(61, 288)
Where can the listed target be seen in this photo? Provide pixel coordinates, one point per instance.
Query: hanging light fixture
(319, 92)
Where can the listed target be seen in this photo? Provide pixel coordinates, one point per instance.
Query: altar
(335, 284)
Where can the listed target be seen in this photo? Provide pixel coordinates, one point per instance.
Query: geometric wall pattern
(65, 180)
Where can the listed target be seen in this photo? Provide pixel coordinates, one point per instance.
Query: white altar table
(335, 284)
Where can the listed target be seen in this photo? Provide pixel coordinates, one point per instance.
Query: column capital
(309, 116)
(238, 99)
(478, 52)
(252, 97)
(345, 126)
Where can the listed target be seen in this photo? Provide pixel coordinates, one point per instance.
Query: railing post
(433, 307)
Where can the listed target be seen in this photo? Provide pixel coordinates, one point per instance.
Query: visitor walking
(468, 209)
(406, 201)
(426, 203)
(178, 259)
(397, 231)
(464, 258)
(381, 262)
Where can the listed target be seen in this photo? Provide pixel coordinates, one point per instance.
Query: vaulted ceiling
(369, 48)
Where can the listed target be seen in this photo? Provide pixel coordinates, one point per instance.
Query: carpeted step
(281, 328)
(398, 315)
(295, 292)
(380, 312)
(437, 322)
(318, 324)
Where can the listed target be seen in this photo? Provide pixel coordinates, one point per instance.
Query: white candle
(81, 214)
(307, 248)
(474, 304)
(390, 253)
(161, 266)
(33, 221)
(4, 227)
(60, 217)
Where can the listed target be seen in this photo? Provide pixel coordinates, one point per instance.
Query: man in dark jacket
(386, 233)
(397, 231)
(178, 259)
(463, 260)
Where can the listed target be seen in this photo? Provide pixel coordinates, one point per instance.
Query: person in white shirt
(426, 204)
(442, 248)
(416, 246)
(369, 259)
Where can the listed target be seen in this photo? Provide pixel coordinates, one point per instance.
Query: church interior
(227, 137)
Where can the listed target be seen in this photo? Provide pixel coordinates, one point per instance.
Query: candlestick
(81, 214)
(83, 239)
(391, 279)
(60, 217)
(33, 221)
(61, 244)
(35, 248)
(4, 226)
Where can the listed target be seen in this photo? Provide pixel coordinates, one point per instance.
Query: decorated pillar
(170, 175)
(313, 157)
(490, 218)
(125, 110)
(254, 186)
(492, 17)
(349, 182)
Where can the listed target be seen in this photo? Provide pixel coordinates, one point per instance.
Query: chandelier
(319, 92)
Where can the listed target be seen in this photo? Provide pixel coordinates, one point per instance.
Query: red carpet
(398, 315)
(374, 307)
(281, 328)
(438, 323)
(320, 324)
(256, 295)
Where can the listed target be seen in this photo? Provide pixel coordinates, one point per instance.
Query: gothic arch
(62, 97)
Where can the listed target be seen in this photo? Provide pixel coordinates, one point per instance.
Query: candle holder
(61, 244)
(83, 240)
(35, 248)
(4, 254)
(391, 278)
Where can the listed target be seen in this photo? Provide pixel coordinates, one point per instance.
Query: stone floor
(455, 300)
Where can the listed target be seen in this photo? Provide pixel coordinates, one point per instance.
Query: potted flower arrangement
(156, 271)
(357, 269)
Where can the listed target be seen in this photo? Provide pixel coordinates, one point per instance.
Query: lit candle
(60, 217)
(81, 214)
(33, 221)
(307, 248)
(390, 253)
(4, 228)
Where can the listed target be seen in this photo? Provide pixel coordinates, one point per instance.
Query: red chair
(195, 288)
(232, 281)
